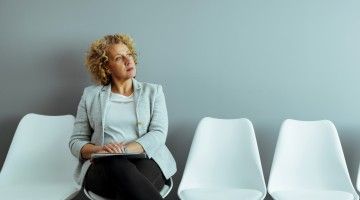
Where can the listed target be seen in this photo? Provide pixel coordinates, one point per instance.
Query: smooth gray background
(263, 60)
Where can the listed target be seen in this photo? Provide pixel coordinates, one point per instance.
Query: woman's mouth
(129, 69)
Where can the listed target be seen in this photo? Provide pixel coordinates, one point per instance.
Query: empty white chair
(164, 191)
(39, 164)
(223, 163)
(309, 163)
(358, 180)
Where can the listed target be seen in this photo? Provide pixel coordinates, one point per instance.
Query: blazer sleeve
(158, 127)
(82, 131)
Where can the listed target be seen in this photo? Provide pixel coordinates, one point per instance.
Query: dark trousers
(125, 179)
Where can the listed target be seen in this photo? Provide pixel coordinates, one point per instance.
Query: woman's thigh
(100, 176)
(151, 170)
(97, 181)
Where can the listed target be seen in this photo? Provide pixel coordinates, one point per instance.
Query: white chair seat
(221, 194)
(312, 195)
(38, 191)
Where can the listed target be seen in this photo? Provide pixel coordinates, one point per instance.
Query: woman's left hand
(115, 147)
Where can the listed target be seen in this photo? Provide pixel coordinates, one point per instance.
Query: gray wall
(263, 60)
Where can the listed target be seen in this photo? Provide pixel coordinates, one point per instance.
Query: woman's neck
(122, 87)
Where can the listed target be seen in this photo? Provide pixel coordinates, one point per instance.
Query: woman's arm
(82, 130)
(156, 137)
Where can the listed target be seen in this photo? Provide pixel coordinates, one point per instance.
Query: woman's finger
(120, 147)
(124, 146)
(110, 148)
(116, 147)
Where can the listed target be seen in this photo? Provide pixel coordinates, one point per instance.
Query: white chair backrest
(223, 153)
(39, 151)
(309, 155)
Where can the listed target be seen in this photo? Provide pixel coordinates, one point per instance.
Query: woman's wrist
(134, 147)
(97, 149)
(89, 149)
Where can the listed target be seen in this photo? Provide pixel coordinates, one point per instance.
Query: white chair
(223, 162)
(164, 191)
(39, 164)
(358, 180)
(309, 163)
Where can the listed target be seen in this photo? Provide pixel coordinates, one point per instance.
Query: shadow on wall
(179, 141)
(8, 127)
(350, 140)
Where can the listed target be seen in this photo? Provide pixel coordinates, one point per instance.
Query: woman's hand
(115, 147)
(134, 147)
(123, 147)
(89, 149)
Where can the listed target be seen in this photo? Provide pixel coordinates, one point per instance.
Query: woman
(121, 114)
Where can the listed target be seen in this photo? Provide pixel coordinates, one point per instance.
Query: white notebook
(127, 155)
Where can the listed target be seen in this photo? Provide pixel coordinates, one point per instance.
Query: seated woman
(121, 115)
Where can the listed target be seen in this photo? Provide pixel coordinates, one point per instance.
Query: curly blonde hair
(97, 60)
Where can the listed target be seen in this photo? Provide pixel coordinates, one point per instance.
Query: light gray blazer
(152, 125)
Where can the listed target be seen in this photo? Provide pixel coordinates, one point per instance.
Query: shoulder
(92, 90)
(147, 85)
(151, 88)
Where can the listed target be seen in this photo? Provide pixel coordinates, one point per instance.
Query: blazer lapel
(137, 91)
(104, 95)
(137, 94)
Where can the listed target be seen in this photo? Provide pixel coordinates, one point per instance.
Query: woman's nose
(126, 60)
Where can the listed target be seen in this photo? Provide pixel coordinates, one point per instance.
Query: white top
(120, 120)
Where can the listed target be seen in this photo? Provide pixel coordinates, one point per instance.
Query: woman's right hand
(89, 149)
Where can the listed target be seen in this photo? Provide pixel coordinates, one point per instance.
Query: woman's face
(121, 62)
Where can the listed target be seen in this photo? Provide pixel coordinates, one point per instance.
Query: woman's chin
(132, 75)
